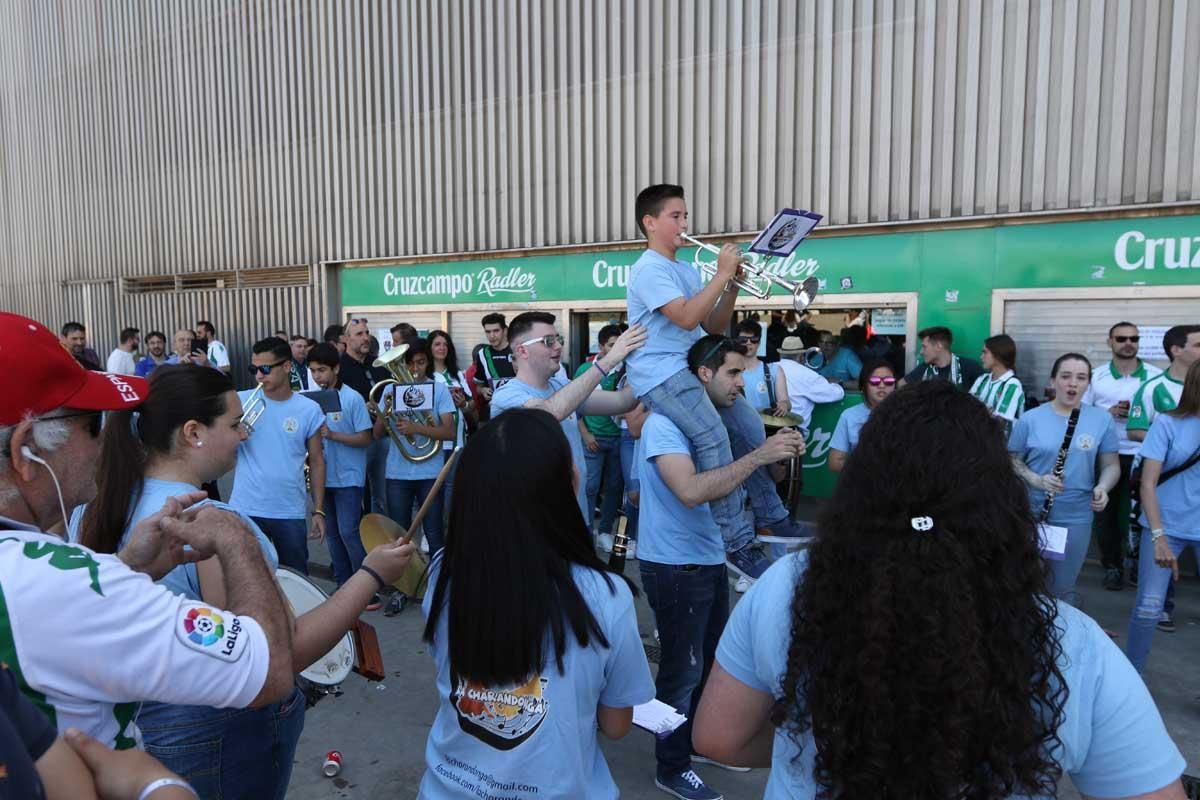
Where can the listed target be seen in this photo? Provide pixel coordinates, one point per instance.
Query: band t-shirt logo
(501, 718)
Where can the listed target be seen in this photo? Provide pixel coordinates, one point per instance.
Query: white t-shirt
(121, 363)
(461, 382)
(1109, 387)
(88, 639)
(806, 388)
(218, 356)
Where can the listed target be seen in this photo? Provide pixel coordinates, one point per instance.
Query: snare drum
(326, 675)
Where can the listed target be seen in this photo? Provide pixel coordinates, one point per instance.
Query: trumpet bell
(253, 408)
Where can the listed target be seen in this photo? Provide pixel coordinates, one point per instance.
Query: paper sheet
(657, 717)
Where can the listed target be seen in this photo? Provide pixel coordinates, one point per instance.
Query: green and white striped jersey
(1156, 396)
(1003, 396)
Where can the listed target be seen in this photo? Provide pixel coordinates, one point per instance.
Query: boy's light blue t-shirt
(849, 426)
(400, 468)
(516, 393)
(654, 281)
(1037, 436)
(346, 466)
(538, 740)
(668, 531)
(1114, 743)
(756, 386)
(1172, 441)
(183, 580)
(269, 481)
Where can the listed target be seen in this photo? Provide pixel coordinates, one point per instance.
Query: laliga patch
(208, 631)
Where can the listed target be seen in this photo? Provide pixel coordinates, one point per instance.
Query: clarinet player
(1056, 449)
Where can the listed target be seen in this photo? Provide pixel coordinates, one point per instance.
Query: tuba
(416, 448)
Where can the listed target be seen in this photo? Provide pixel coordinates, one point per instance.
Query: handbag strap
(1184, 467)
(1060, 462)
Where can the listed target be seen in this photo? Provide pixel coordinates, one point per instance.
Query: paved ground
(381, 728)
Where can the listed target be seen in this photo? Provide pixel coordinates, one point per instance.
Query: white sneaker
(424, 545)
(631, 550)
(743, 584)
(605, 541)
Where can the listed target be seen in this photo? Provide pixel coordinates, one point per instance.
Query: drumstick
(437, 487)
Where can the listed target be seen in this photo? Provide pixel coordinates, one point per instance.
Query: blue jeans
(1063, 574)
(377, 453)
(400, 496)
(681, 398)
(448, 487)
(1153, 581)
(343, 511)
(691, 605)
(230, 753)
(290, 537)
(604, 463)
(746, 433)
(629, 473)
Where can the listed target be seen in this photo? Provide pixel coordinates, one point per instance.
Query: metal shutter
(1045, 329)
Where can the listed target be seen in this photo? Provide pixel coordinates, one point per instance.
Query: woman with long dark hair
(876, 381)
(914, 653)
(534, 639)
(1170, 510)
(1066, 492)
(187, 433)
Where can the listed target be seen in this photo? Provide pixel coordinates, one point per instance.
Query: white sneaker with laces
(605, 541)
(631, 550)
(743, 584)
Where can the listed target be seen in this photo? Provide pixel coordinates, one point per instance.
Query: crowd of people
(920, 640)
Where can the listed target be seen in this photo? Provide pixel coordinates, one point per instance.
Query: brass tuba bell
(416, 448)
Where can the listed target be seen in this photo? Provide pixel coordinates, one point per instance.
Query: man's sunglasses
(550, 340)
(875, 380)
(94, 423)
(749, 339)
(1124, 339)
(265, 369)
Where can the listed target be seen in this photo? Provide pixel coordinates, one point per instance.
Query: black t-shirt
(495, 365)
(360, 375)
(25, 736)
(969, 370)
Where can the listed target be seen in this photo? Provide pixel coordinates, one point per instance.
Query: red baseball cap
(47, 376)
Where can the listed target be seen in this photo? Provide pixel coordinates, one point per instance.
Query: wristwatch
(1157, 534)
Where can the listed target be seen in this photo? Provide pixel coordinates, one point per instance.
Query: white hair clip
(922, 524)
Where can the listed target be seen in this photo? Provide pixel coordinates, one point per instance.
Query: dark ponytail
(178, 393)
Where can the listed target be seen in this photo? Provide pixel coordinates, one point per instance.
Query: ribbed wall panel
(141, 138)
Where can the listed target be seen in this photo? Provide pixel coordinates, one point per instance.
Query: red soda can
(333, 764)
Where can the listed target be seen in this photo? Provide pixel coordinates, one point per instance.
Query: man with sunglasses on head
(1112, 388)
(537, 353)
(268, 485)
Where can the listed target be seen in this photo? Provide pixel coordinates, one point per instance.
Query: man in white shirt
(1112, 388)
(120, 360)
(218, 355)
(806, 387)
(89, 636)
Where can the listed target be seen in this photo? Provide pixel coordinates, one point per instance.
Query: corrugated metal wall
(140, 138)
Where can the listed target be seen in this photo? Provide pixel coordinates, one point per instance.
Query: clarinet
(1060, 463)
(616, 560)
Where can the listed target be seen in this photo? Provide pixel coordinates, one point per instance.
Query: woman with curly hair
(924, 657)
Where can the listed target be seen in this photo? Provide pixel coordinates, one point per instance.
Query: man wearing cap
(805, 386)
(89, 636)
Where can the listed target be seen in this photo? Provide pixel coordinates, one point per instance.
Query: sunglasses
(875, 380)
(356, 321)
(265, 369)
(1124, 339)
(749, 339)
(95, 421)
(550, 340)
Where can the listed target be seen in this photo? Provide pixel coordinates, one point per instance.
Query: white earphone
(27, 451)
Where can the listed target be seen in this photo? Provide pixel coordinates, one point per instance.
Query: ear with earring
(199, 444)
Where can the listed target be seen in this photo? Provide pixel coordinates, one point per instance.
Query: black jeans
(1112, 524)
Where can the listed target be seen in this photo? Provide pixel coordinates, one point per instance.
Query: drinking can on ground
(333, 763)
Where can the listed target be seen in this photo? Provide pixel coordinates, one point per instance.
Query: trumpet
(415, 448)
(253, 408)
(759, 282)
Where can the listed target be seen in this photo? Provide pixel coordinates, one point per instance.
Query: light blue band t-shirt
(654, 281)
(668, 531)
(537, 740)
(849, 426)
(400, 468)
(516, 393)
(183, 580)
(1172, 441)
(757, 392)
(1114, 743)
(346, 466)
(269, 481)
(1037, 436)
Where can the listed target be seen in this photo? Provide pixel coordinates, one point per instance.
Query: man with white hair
(88, 636)
(805, 386)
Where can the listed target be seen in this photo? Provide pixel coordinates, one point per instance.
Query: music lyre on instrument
(415, 448)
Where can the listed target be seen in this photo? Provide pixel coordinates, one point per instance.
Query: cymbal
(786, 421)
(376, 529)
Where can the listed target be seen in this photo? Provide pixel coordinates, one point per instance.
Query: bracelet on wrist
(374, 575)
(1156, 534)
(317, 511)
(603, 372)
(163, 783)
